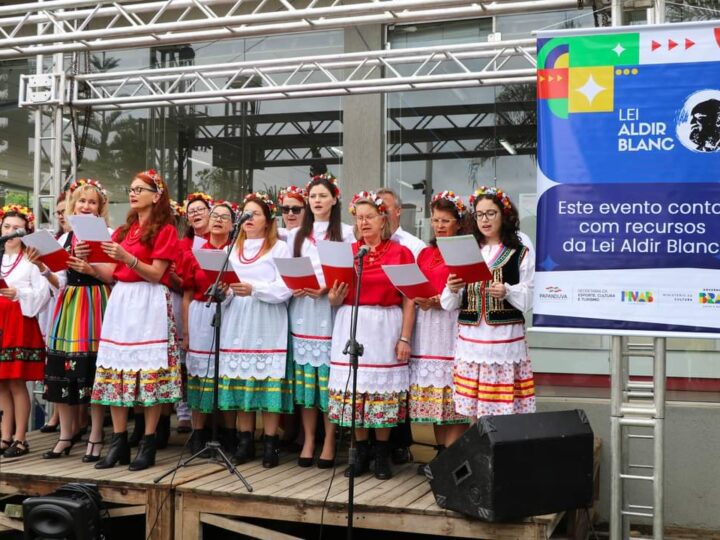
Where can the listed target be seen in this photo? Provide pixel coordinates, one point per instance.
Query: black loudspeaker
(514, 466)
(72, 512)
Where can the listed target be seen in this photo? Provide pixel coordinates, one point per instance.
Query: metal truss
(86, 25)
(391, 70)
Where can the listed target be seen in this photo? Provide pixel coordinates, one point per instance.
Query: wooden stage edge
(176, 507)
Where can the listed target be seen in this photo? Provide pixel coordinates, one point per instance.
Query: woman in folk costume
(385, 325)
(493, 373)
(200, 343)
(76, 324)
(433, 346)
(311, 316)
(253, 343)
(23, 293)
(291, 202)
(137, 362)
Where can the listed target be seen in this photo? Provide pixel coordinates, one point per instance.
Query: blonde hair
(103, 209)
(386, 232)
(271, 234)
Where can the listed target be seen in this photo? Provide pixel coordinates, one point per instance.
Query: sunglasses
(292, 209)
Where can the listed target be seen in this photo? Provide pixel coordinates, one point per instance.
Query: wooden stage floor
(176, 507)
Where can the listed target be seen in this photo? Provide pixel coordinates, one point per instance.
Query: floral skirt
(493, 389)
(73, 343)
(22, 348)
(431, 405)
(376, 410)
(142, 387)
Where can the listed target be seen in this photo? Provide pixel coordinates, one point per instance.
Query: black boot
(245, 448)
(382, 461)
(228, 440)
(138, 430)
(197, 441)
(162, 433)
(362, 460)
(119, 451)
(146, 454)
(271, 451)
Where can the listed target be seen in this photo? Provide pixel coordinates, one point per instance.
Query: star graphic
(548, 264)
(590, 89)
(619, 49)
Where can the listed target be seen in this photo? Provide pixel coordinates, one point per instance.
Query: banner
(629, 178)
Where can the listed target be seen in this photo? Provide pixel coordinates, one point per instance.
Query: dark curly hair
(510, 223)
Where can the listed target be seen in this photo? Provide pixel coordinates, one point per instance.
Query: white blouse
(519, 295)
(262, 274)
(33, 291)
(309, 248)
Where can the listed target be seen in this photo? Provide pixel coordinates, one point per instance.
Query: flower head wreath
(263, 198)
(231, 205)
(293, 192)
(156, 179)
(198, 196)
(89, 182)
(177, 210)
(498, 195)
(22, 211)
(455, 199)
(372, 197)
(326, 176)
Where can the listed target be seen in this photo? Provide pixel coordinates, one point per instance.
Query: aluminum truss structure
(87, 25)
(423, 68)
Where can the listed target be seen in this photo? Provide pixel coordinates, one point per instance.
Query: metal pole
(659, 379)
(616, 390)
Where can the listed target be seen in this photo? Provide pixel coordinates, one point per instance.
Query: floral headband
(22, 211)
(177, 210)
(156, 178)
(372, 197)
(264, 198)
(231, 205)
(198, 196)
(328, 177)
(498, 195)
(455, 199)
(292, 192)
(89, 182)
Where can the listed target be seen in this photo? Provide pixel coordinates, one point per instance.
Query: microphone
(244, 217)
(364, 250)
(17, 234)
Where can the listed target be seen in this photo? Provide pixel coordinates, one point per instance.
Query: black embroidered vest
(477, 304)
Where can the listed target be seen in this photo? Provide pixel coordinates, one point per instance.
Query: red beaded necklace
(243, 260)
(12, 266)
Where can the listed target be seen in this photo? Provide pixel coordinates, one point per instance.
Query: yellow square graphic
(591, 89)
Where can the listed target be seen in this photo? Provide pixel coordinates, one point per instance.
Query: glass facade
(452, 139)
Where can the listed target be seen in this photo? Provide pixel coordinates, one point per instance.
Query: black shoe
(362, 461)
(228, 440)
(305, 462)
(197, 441)
(119, 452)
(52, 454)
(138, 430)
(382, 461)
(401, 455)
(17, 449)
(162, 433)
(49, 428)
(146, 454)
(325, 463)
(245, 449)
(271, 451)
(4, 445)
(91, 457)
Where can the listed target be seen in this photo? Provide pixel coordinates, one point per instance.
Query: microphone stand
(213, 449)
(354, 350)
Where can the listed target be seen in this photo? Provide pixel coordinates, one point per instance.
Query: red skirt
(22, 348)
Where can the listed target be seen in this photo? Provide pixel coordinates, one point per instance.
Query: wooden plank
(159, 517)
(248, 529)
(187, 521)
(124, 511)
(10, 523)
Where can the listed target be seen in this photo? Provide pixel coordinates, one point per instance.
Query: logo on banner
(637, 297)
(698, 127)
(595, 295)
(709, 298)
(553, 293)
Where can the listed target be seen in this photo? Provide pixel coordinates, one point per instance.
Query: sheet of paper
(336, 259)
(297, 273)
(90, 228)
(409, 280)
(463, 257)
(51, 252)
(211, 261)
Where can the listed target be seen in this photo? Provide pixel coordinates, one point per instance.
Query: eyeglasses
(361, 219)
(138, 190)
(220, 217)
(59, 213)
(292, 209)
(442, 221)
(490, 215)
(197, 211)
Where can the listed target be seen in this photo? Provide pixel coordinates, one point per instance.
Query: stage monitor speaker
(70, 513)
(514, 466)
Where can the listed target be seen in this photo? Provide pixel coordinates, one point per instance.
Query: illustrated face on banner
(699, 129)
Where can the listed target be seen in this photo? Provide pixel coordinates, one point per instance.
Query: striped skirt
(73, 342)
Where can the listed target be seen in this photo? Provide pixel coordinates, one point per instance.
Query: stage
(177, 507)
